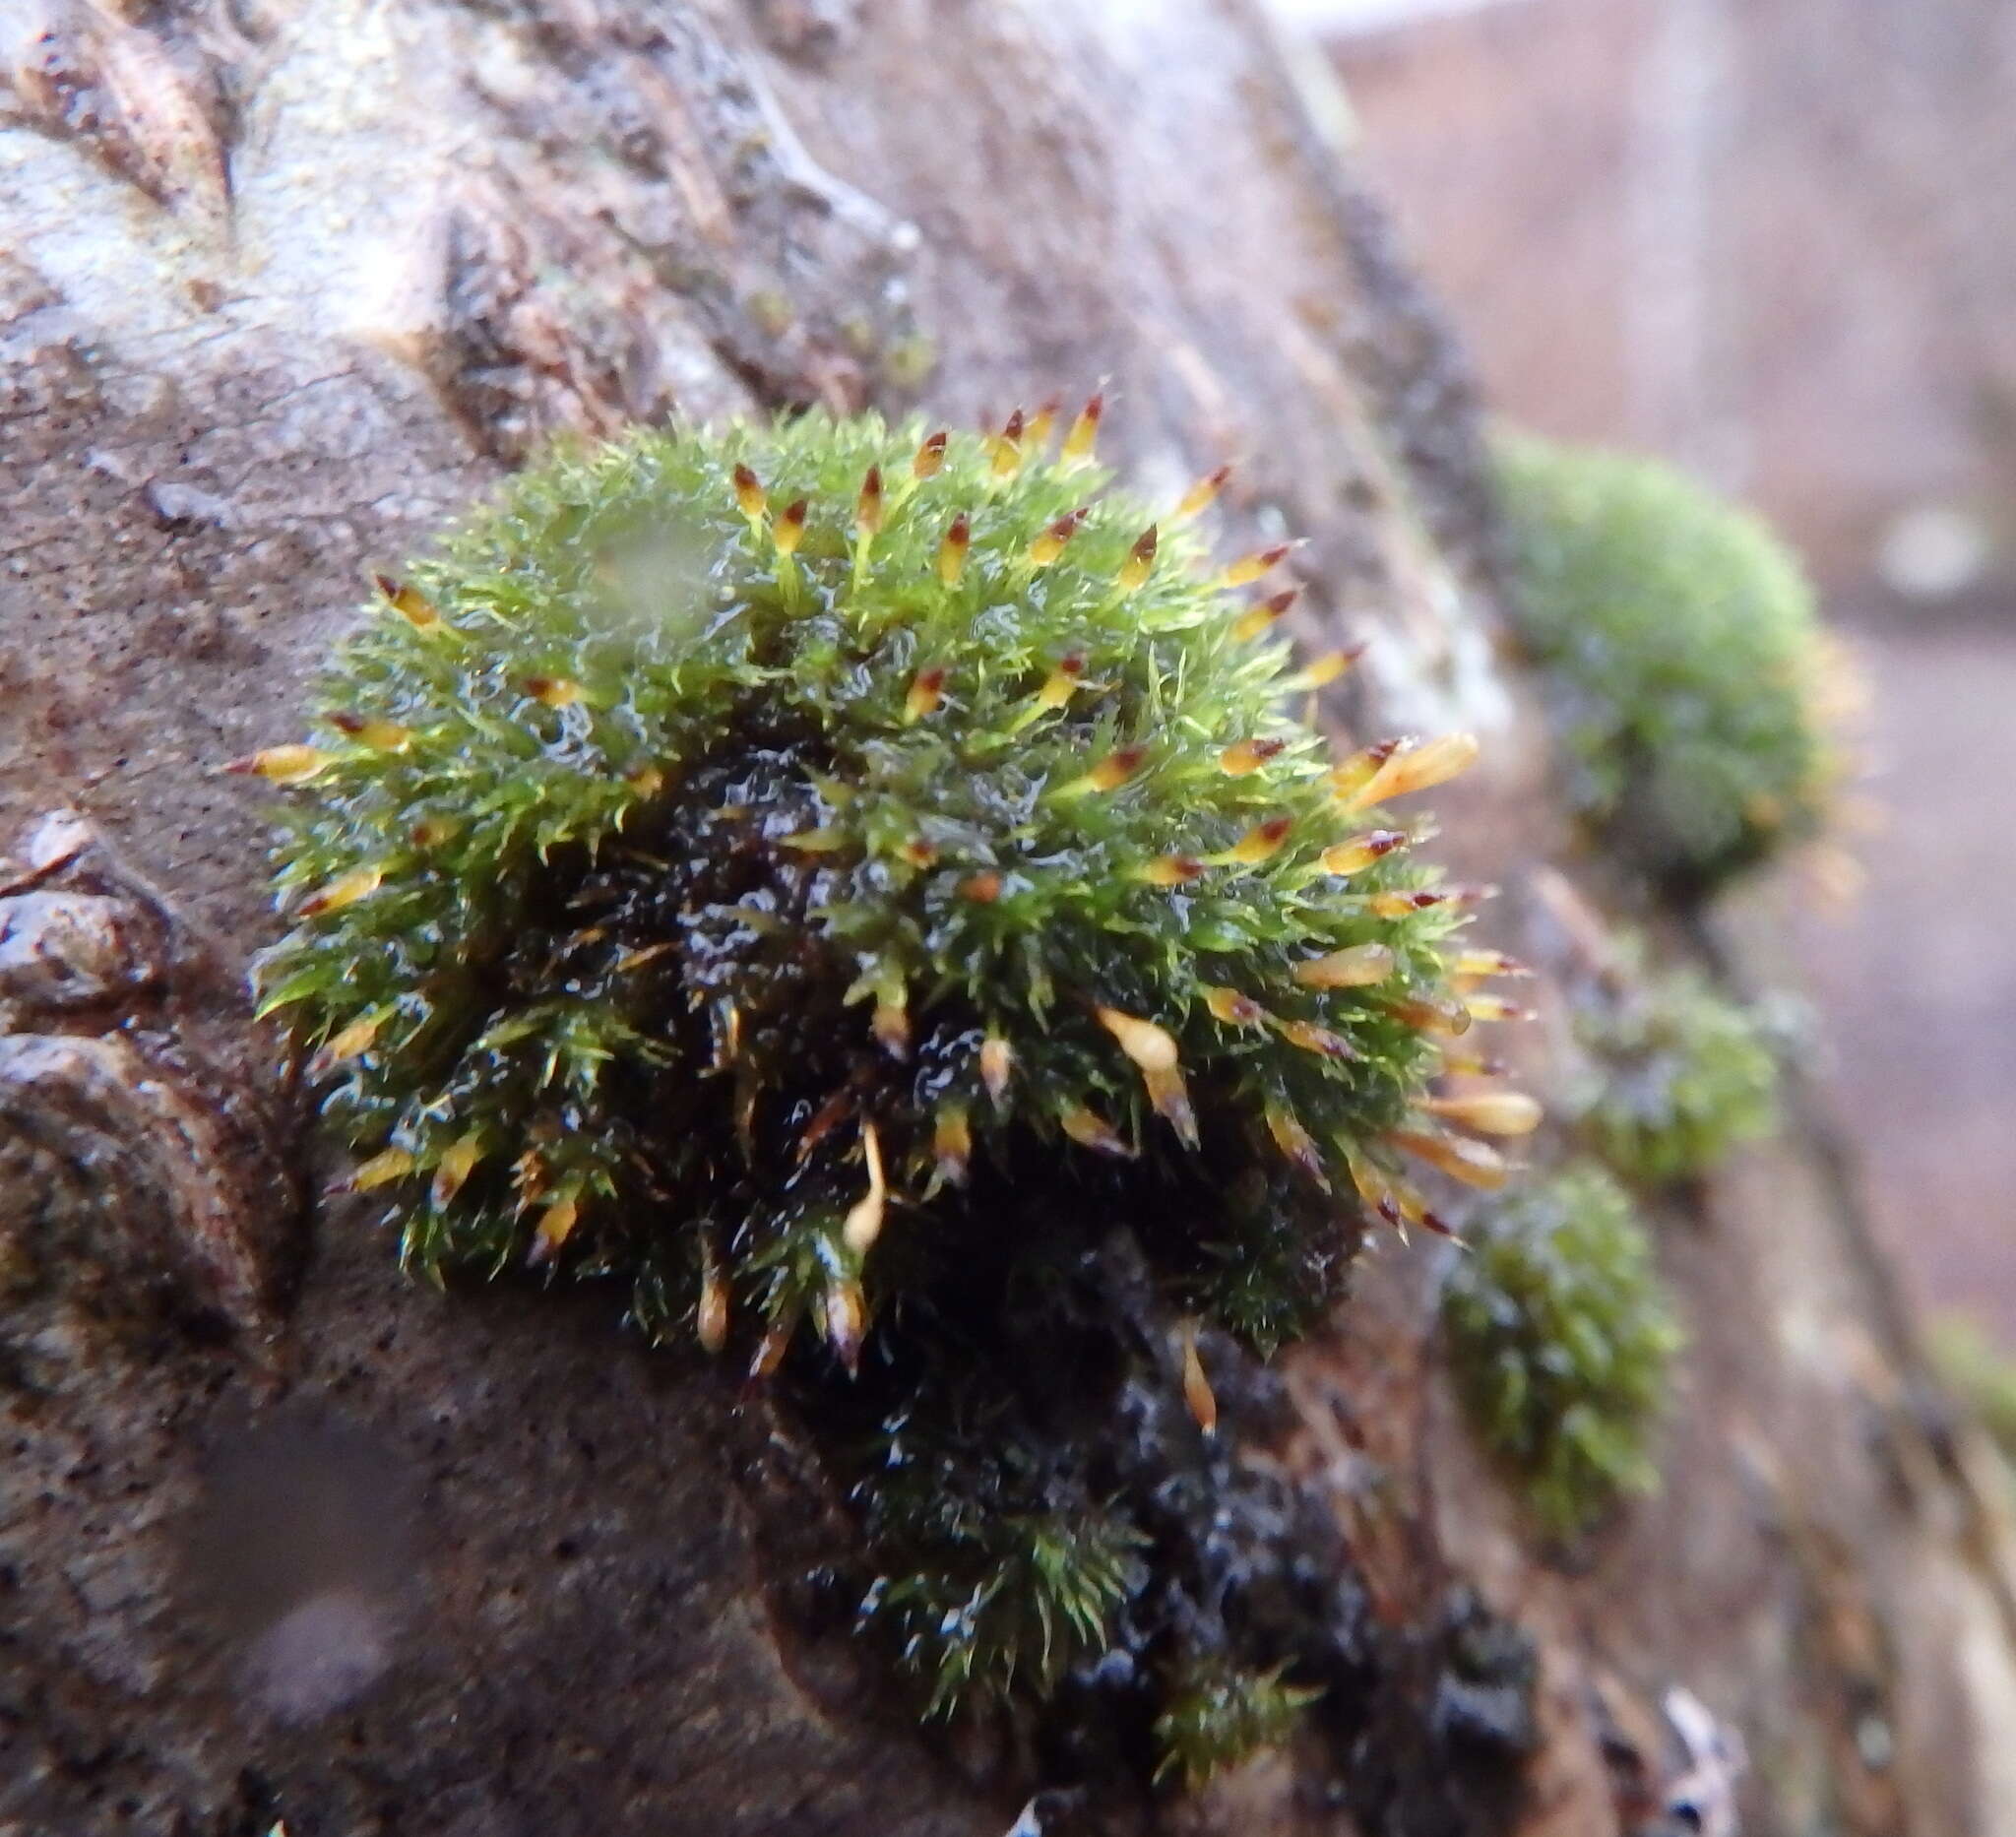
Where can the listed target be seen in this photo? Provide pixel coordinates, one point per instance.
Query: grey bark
(281, 287)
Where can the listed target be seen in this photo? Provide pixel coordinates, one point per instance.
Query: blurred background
(1774, 241)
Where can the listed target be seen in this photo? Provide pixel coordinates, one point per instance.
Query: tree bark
(280, 287)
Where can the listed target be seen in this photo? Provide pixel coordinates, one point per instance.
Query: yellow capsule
(1313, 1039)
(646, 953)
(1061, 683)
(918, 853)
(1197, 1391)
(997, 1066)
(771, 1349)
(1457, 1156)
(385, 1167)
(1353, 774)
(1092, 1131)
(750, 499)
(1039, 425)
(355, 1039)
(285, 765)
(891, 1025)
(647, 781)
(1483, 1008)
(379, 735)
(927, 691)
(1111, 772)
(1374, 1187)
(1248, 756)
(1250, 568)
(1170, 1097)
(1050, 543)
(1471, 1065)
(1259, 844)
(554, 691)
(1083, 434)
(458, 1162)
(816, 841)
(1418, 767)
(1296, 1143)
(344, 890)
(789, 529)
(430, 832)
(556, 1224)
(1351, 968)
(409, 602)
(1152, 1047)
(1398, 901)
(930, 458)
(1489, 1112)
(952, 552)
(847, 1321)
(711, 1321)
(1007, 448)
(1171, 871)
(1232, 1008)
(1140, 562)
(868, 505)
(529, 1174)
(1203, 492)
(1260, 618)
(952, 1143)
(1360, 851)
(1433, 1014)
(864, 1219)
(1486, 963)
(1323, 671)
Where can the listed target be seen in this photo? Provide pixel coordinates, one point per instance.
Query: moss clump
(1560, 1338)
(1982, 1373)
(1682, 656)
(822, 877)
(1677, 1075)
(1220, 1716)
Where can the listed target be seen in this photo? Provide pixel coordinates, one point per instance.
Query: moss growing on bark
(1677, 1075)
(1560, 1338)
(822, 877)
(1685, 665)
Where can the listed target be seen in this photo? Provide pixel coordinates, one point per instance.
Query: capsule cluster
(732, 845)
(1697, 699)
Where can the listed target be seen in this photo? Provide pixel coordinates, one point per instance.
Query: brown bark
(281, 1534)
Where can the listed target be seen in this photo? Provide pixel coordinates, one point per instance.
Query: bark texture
(280, 287)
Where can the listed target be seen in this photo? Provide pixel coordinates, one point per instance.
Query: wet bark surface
(283, 1534)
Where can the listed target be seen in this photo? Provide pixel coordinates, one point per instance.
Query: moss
(1980, 1373)
(1681, 655)
(821, 877)
(1560, 1338)
(1220, 1717)
(1677, 1075)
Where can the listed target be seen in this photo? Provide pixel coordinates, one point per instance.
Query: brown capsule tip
(868, 506)
(930, 457)
(749, 495)
(1197, 1391)
(1203, 491)
(1084, 432)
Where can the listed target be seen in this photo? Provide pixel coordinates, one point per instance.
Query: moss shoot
(1675, 1077)
(822, 877)
(1560, 1338)
(1686, 669)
